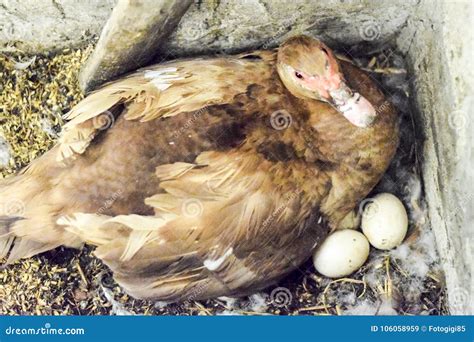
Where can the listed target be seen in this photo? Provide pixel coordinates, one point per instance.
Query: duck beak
(355, 108)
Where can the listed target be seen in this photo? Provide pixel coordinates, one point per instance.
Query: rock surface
(131, 38)
(208, 26)
(437, 43)
(50, 25)
(213, 26)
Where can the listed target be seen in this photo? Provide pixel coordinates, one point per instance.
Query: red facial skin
(331, 81)
(332, 88)
(323, 84)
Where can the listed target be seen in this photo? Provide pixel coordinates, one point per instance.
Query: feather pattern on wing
(185, 233)
(157, 91)
(203, 177)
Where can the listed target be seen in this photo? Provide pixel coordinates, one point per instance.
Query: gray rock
(131, 38)
(134, 34)
(50, 25)
(209, 26)
(229, 26)
(437, 42)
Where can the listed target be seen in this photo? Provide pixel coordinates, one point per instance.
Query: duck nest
(37, 90)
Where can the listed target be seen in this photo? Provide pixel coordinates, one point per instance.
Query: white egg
(384, 221)
(342, 253)
(351, 221)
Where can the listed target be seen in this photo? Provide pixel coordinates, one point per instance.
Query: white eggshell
(342, 253)
(351, 221)
(384, 221)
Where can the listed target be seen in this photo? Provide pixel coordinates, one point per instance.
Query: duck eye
(298, 75)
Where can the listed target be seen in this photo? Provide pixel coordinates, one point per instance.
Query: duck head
(309, 69)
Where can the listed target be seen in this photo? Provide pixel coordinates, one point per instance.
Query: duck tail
(24, 231)
(6, 240)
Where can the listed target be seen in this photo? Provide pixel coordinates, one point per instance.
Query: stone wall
(437, 41)
(208, 26)
(49, 25)
(238, 25)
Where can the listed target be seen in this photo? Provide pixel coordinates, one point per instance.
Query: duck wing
(143, 100)
(161, 91)
(222, 226)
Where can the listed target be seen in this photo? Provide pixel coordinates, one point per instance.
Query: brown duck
(206, 177)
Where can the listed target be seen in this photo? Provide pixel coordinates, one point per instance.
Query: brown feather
(192, 192)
